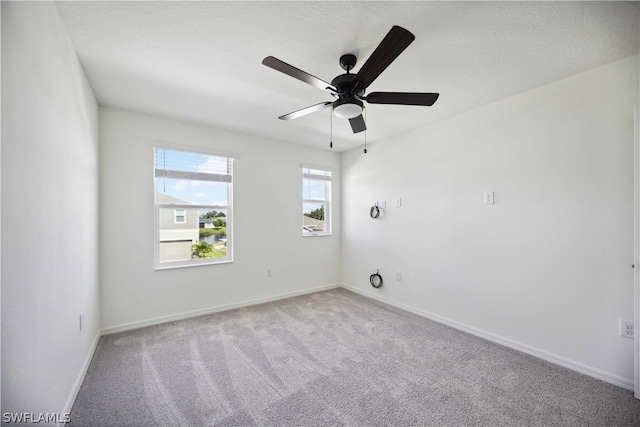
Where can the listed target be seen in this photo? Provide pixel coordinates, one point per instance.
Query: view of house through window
(193, 208)
(316, 201)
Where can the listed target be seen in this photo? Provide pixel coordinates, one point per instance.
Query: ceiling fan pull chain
(365, 132)
(331, 130)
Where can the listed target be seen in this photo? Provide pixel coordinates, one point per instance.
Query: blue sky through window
(194, 192)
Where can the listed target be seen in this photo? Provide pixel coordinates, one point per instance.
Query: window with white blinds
(316, 201)
(193, 204)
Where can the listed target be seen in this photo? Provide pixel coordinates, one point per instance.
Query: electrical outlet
(399, 202)
(488, 198)
(383, 205)
(626, 328)
(377, 269)
(269, 272)
(81, 322)
(398, 276)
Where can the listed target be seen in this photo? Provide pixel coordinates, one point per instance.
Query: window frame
(327, 201)
(158, 206)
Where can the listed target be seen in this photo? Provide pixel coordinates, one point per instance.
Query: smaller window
(316, 201)
(179, 216)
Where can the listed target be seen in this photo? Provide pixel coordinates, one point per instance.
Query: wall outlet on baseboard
(626, 328)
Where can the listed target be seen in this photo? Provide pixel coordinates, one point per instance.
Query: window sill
(194, 264)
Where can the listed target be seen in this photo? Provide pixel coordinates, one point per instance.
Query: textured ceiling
(201, 61)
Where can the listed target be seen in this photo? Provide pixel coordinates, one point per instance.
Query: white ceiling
(201, 61)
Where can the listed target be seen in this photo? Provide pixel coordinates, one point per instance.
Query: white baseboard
(210, 310)
(80, 378)
(626, 383)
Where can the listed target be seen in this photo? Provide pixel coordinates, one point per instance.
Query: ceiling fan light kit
(347, 108)
(349, 89)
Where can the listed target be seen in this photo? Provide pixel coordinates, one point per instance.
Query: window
(193, 204)
(179, 216)
(316, 201)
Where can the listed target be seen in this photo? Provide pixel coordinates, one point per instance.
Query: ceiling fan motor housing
(344, 84)
(347, 106)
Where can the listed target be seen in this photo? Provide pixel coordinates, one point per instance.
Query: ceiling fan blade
(294, 72)
(387, 51)
(357, 124)
(305, 111)
(402, 98)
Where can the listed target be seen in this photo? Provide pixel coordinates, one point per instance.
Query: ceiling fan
(349, 89)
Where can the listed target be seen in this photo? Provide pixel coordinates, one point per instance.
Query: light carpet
(332, 358)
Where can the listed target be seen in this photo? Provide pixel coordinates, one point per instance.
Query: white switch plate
(488, 198)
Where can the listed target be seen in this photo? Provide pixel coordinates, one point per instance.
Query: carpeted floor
(332, 358)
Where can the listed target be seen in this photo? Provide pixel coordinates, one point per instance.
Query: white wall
(637, 239)
(50, 212)
(267, 224)
(547, 268)
(0, 214)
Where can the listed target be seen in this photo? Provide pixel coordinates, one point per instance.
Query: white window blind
(323, 175)
(182, 165)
